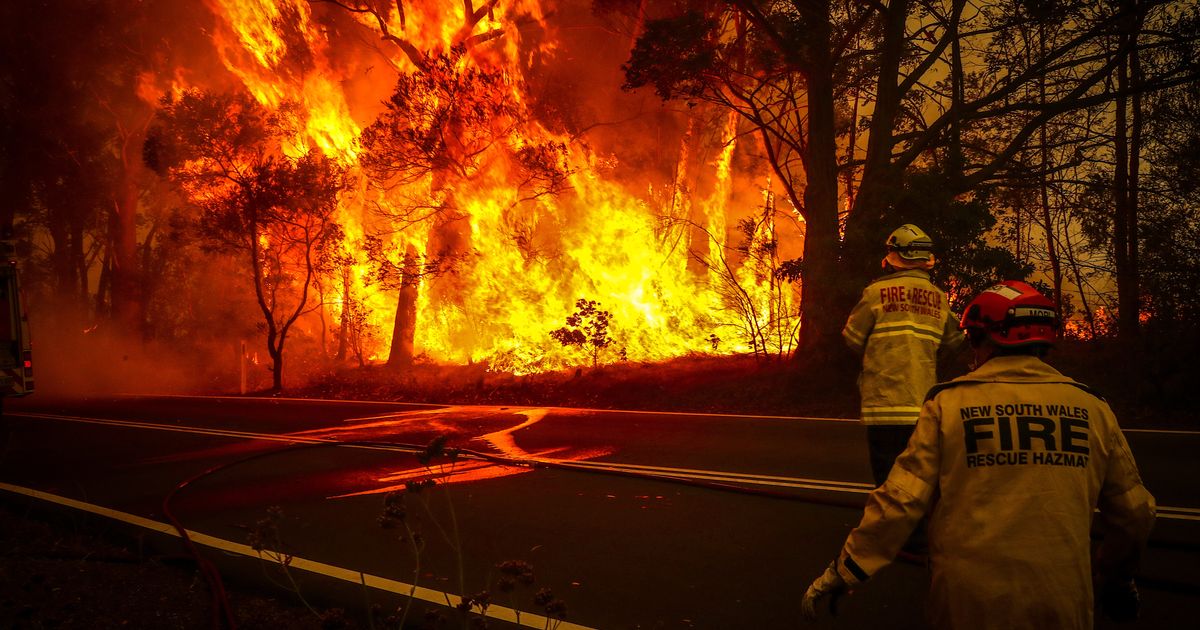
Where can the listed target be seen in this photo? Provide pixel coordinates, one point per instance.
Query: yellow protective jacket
(898, 326)
(1010, 461)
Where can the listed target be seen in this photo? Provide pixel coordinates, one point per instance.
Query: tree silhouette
(938, 95)
(586, 327)
(224, 151)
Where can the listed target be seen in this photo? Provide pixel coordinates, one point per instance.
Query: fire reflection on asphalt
(502, 442)
(486, 429)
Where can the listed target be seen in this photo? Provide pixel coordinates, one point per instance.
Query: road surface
(633, 519)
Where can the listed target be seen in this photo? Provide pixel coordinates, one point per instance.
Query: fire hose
(223, 614)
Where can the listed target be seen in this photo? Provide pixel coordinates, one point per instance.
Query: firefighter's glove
(1119, 600)
(829, 585)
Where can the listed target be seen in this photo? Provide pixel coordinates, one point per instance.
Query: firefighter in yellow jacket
(898, 327)
(1009, 462)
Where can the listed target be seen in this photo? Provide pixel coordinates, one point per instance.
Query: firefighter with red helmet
(1009, 462)
(898, 326)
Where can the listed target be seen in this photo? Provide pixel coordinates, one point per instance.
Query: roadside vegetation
(424, 521)
(71, 572)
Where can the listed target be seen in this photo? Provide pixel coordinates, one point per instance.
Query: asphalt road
(634, 520)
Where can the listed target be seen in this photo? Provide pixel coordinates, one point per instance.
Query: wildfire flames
(520, 261)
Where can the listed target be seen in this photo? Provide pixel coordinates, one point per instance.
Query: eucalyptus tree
(272, 208)
(938, 94)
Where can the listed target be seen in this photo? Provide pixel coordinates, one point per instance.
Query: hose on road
(222, 610)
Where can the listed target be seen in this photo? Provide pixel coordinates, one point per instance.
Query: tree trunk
(345, 321)
(104, 286)
(79, 270)
(1048, 226)
(681, 202)
(1069, 251)
(1127, 306)
(150, 282)
(954, 162)
(405, 329)
(276, 365)
(8, 211)
(866, 224)
(851, 153)
(1044, 187)
(322, 311)
(60, 258)
(128, 299)
(821, 315)
(1133, 280)
(268, 310)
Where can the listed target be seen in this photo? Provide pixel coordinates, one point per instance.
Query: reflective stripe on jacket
(1009, 461)
(898, 326)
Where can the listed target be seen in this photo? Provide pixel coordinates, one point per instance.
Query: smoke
(71, 361)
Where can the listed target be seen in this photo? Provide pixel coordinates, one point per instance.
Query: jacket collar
(1020, 368)
(904, 273)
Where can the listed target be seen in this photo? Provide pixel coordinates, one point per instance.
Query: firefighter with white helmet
(909, 247)
(1009, 462)
(898, 326)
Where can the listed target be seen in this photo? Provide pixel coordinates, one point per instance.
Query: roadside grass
(426, 504)
(704, 384)
(65, 571)
(1148, 385)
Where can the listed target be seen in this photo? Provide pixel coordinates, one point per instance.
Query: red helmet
(1011, 313)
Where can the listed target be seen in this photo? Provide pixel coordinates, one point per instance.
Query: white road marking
(177, 428)
(386, 416)
(496, 611)
(281, 398)
(1163, 431)
(711, 475)
(1179, 513)
(828, 485)
(702, 414)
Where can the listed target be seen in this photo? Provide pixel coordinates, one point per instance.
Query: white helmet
(909, 247)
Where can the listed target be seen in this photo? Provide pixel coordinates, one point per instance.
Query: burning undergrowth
(699, 384)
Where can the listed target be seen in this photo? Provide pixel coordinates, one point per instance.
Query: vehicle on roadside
(16, 353)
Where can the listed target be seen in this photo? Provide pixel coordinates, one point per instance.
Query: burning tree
(442, 124)
(851, 101)
(334, 283)
(438, 124)
(440, 120)
(260, 197)
(712, 52)
(754, 286)
(587, 326)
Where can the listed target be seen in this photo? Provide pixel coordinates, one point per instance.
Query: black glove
(1119, 600)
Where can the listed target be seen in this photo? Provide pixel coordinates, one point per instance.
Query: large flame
(523, 264)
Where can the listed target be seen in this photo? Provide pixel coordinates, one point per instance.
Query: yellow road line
(503, 613)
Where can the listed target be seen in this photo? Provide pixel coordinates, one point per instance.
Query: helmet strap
(981, 352)
(895, 260)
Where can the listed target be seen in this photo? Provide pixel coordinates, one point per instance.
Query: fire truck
(16, 357)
